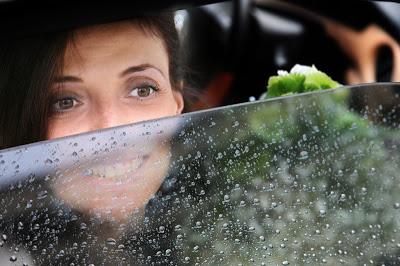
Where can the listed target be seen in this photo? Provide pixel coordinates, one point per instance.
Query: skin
(103, 67)
(113, 74)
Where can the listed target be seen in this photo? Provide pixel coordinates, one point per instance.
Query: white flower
(301, 69)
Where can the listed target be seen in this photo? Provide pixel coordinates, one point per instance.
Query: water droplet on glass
(262, 238)
(161, 229)
(342, 197)
(364, 190)
(88, 172)
(13, 258)
(42, 194)
(178, 227)
(4, 237)
(29, 204)
(396, 205)
(285, 262)
(168, 252)
(83, 226)
(303, 155)
(20, 226)
(111, 241)
(226, 198)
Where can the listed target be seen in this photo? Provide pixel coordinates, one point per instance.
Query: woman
(106, 73)
(94, 77)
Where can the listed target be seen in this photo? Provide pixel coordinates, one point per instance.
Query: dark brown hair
(28, 66)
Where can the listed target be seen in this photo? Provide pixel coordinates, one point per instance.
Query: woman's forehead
(114, 42)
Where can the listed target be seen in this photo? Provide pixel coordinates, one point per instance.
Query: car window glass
(297, 180)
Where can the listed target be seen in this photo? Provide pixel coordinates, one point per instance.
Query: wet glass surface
(306, 179)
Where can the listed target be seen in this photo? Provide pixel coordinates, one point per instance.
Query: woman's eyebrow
(62, 79)
(139, 68)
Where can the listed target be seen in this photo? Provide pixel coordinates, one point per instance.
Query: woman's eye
(64, 104)
(143, 92)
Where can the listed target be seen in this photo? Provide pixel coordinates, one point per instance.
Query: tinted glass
(298, 180)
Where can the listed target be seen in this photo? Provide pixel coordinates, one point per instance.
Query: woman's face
(113, 74)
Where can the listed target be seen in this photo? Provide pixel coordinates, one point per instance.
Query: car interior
(242, 178)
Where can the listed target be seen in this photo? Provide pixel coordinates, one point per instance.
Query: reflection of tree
(301, 180)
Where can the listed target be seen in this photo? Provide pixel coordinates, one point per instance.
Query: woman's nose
(110, 115)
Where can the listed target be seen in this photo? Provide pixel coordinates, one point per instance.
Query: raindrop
(252, 99)
(4, 237)
(83, 226)
(256, 201)
(373, 170)
(262, 238)
(285, 262)
(74, 153)
(303, 155)
(48, 161)
(29, 204)
(196, 248)
(187, 259)
(20, 226)
(342, 197)
(42, 194)
(88, 172)
(364, 190)
(226, 198)
(274, 205)
(168, 252)
(13, 258)
(111, 241)
(161, 229)
(178, 227)
(396, 205)
(322, 212)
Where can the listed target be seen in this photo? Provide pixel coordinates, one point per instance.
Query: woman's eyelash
(144, 90)
(63, 103)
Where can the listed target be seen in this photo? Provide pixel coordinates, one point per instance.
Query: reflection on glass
(299, 180)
